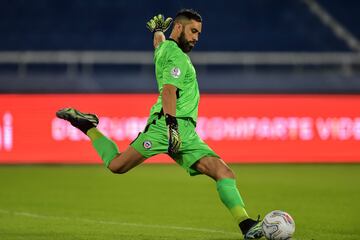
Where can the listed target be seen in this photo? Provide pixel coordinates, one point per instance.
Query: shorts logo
(175, 72)
(147, 144)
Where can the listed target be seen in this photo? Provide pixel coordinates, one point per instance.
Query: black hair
(189, 14)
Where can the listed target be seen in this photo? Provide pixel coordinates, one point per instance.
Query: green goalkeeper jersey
(173, 66)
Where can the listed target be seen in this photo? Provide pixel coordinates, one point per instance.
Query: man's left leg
(229, 194)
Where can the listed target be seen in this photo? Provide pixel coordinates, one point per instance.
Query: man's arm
(169, 107)
(159, 37)
(169, 99)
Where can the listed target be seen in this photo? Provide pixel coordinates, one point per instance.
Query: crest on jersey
(175, 72)
(147, 144)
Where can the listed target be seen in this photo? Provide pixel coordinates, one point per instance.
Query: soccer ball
(278, 225)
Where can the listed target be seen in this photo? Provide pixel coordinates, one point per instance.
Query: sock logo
(6, 132)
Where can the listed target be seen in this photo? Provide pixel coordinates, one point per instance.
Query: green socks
(231, 198)
(104, 146)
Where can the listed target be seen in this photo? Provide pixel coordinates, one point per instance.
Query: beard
(184, 44)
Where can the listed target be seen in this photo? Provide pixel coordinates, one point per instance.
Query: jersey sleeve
(175, 69)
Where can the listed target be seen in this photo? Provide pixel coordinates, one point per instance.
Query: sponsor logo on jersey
(175, 72)
(147, 144)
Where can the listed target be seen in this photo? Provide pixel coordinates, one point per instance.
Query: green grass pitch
(158, 202)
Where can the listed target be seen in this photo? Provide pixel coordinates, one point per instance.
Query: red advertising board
(240, 128)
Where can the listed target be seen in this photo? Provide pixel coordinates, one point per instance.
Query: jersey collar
(170, 39)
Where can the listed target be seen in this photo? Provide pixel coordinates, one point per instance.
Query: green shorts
(154, 140)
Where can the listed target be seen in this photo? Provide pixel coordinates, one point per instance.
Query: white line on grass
(33, 215)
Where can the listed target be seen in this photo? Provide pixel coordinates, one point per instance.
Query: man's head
(187, 28)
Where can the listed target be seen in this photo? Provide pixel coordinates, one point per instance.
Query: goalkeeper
(171, 126)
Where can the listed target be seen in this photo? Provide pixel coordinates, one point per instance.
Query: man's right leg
(108, 151)
(218, 170)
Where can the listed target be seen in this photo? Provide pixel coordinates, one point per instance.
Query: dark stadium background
(258, 26)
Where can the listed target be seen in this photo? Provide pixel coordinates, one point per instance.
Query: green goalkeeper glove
(158, 23)
(173, 133)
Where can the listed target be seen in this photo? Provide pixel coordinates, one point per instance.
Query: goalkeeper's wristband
(171, 121)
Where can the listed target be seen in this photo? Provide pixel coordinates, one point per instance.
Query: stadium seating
(242, 26)
(250, 25)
